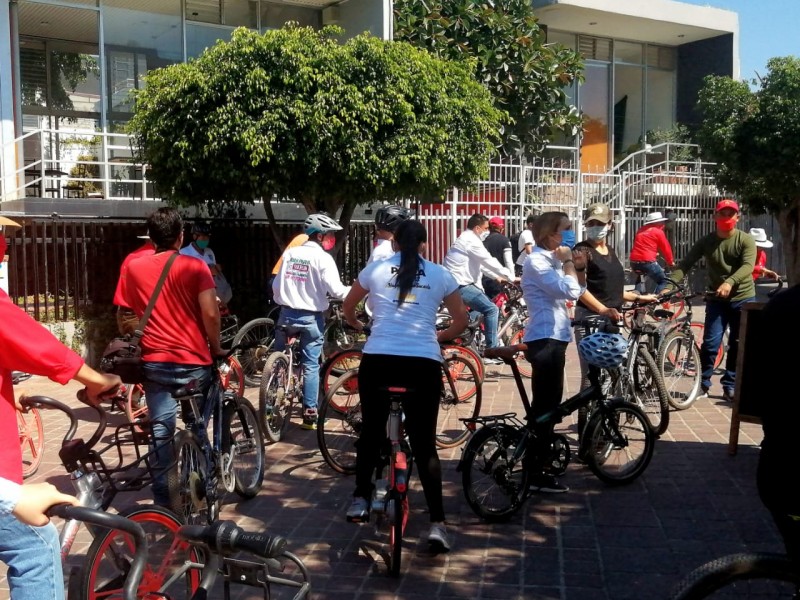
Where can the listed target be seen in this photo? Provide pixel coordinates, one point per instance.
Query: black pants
(548, 358)
(421, 409)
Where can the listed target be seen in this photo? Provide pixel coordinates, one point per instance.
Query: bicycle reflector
(400, 472)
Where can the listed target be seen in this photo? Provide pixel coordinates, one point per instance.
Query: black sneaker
(547, 484)
(727, 395)
(703, 392)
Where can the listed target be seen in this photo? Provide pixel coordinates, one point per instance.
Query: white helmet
(604, 350)
(320, 223)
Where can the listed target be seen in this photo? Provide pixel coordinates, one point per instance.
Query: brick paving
(596, 542)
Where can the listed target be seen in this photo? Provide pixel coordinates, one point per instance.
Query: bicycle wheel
(335, 366)
(494, 484)
(275, 397)
(260, 332)
(111, 553)
(649, 391)
(699, 331)
(233, 376)
(31, 440)
(243, 444)
(619, 443)
(679, 363)
(461, 398)
(135, 404)
(757, 575)
(187, 482)
(339, 424)
(398, 517)
(336, 338)
(525, 368)
(466, 353)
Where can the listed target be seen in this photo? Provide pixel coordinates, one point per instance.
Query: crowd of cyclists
(404, 293)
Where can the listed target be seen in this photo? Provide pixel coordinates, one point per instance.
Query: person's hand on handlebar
(724, 290)
(611, 314)
(35, 499)
(647, 298)
(99, 386)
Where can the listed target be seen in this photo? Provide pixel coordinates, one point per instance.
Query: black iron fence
(63, 270)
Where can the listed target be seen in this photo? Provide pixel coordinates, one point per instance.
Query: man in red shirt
(182, 333)
(649, 241)
(126, 318)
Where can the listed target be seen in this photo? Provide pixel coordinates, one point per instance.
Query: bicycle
(390, 497)
(756, 575)
(499, 459)
(233, 457)
(97, 476)
(31, 431)
(254, 340)
(281, 384)
(339, 420)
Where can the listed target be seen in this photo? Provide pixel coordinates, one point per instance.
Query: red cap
(497, 222)
(727, 203)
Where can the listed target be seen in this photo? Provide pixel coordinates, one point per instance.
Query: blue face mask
(568, 238)
(202, 244)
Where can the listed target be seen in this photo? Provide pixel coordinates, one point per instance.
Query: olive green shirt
(728, 260)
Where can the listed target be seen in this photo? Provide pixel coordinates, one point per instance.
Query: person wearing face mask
(552, 275)
(201, 237)
(605, 276)
(307, 277)
(730, 256)
(467, 259)
(648, 242)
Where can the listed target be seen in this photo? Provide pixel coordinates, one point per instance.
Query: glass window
(275, 16)
(628, 52)
(204, 11)
(594, 104)
(240, 13)
(661, 57)
(592, 48)
(200, 37)
(660, 99)
(628, 96)
(559, 37)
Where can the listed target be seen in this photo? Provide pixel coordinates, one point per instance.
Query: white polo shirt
(308, 275)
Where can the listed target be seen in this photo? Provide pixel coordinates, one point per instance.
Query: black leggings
(548, 357)
(421, 410)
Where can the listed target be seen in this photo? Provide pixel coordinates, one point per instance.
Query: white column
(8, 163)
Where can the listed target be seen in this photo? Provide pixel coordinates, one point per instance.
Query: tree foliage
(754, 137)
(295, 114)
(526, 77)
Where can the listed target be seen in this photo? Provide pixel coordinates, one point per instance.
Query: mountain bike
(98, 472)
(281, 385)
(31, 431)
(757, 575)
(503, 454)
(254, 340)
(233, 457)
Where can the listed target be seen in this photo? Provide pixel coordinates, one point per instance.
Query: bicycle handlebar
(45, 402)
(225, 537)
(112, 521)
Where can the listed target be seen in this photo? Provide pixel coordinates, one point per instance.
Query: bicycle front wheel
(679, 363)
(618, 443)
(649, 391)
(336, 365)
(243, 446)
(758, 575)
(461, 398)
(108, 560)
(339, 424)
(494, 482)
(31, 440)
(261, 334)
(187, 482)
(398, 513)
(525, 368)
(275, 397)
(135, 404)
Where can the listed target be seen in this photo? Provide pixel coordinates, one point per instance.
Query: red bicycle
(31, 431)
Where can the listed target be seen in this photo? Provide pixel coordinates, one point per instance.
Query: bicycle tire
(339, 424)
(135, 404)
(233, 379)
(649, 392)
(525, 368)
(246, 444)
(187, 481)
(494, 490)
(617, 433)
(454, 405)
(467, 353)
(31, 440)
(275, 397)
(104, 568)
(335, 338)
(261, 332)
(744, 575)
(399, 518)
(336, 365)
(679, 363)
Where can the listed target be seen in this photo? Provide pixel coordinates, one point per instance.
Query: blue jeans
(162, 380)
(309, 325)
(33, 557)
(719, 316)
(654, 271)
(479, 302)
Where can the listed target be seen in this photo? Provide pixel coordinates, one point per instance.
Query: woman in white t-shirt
(403, 351)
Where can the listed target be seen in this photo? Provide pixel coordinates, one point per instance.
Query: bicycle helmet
(604, 350)
(390, 217)
(320, 223)
(201, 228)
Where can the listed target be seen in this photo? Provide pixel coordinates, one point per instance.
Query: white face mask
(483, 235)
(599, 232)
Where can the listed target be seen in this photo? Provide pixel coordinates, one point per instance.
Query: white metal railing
(63, 163)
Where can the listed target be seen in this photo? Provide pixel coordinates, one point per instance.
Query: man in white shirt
(525, 243)
(307, 276)
(201, 237)
(467, 259)
(387, 220)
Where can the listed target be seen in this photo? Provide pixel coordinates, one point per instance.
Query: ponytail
(409, 235)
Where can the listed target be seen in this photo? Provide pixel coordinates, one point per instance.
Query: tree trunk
(789, 223)
(344, 220)
(273, 226)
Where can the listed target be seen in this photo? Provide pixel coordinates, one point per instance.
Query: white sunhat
(655, 217)
(761, 237)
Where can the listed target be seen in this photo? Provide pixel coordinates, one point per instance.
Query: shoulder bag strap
(137, 335)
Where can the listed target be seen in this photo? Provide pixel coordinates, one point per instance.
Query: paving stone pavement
(694, 502)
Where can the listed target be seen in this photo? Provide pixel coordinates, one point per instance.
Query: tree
(754, 137)
(526, 77)
(295, 114)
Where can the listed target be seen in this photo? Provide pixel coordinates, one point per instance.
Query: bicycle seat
(190, 389)
(505, 352)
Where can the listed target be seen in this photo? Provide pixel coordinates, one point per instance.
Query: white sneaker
(438, 538)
